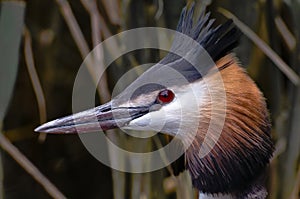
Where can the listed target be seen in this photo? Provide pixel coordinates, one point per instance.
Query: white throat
(218, 196)
(256, 191)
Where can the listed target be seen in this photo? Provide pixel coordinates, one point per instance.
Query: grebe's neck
(259, 193)
(257, 190)
(219, 196)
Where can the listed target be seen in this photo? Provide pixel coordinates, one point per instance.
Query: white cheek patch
(179, 116)
(156, 120)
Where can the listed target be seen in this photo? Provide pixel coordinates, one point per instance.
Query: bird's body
(227, 164)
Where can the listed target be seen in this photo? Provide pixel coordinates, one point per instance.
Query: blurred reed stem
(287, 70)
(11, 29)
(28, 52)
(11, 24)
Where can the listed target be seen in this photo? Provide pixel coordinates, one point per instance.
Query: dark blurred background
(49, 31)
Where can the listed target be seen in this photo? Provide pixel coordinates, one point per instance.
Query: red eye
(165, 96)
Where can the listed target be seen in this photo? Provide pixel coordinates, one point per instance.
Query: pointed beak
(100, 118)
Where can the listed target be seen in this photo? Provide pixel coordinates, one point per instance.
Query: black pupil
(164, 94)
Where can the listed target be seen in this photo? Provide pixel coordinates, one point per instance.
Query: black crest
(217, 41)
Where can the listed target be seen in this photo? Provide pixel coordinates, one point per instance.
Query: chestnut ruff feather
(245, 146)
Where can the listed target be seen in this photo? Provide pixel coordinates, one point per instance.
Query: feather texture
(217, 42)
(244, 147)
